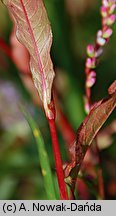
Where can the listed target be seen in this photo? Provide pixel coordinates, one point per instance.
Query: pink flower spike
(107, 33)
(90, 51)
(111, 19)
(104, 12)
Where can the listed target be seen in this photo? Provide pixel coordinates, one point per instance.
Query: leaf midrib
(35, 48)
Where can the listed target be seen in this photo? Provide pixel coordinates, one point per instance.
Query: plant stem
(58, 161)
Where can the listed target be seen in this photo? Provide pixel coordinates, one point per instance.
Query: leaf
(87, 132)
(43, 157)
(34, 32)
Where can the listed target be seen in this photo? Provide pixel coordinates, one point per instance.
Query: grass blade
(43, 157)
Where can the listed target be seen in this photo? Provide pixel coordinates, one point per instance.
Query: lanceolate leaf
(34, 31)
(87, 132)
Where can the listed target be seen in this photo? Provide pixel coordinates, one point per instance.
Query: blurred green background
(74, 25)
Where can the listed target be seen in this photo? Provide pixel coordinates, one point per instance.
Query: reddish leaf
(34, 32)
(87, 132)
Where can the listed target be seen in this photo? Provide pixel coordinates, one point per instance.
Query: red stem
(58, 161)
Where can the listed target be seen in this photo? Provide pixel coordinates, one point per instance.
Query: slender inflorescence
(94, 51)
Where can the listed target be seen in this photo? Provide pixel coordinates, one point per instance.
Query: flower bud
(87, 105)
(104, 12)
(90, 63)
(99, 33)
(107, 33)
(91, 79)
(111, 19)
(101, 41)
(112, 8)
(90, 51)
(105, 3)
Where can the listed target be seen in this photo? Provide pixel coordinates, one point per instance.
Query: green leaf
(43, 157)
